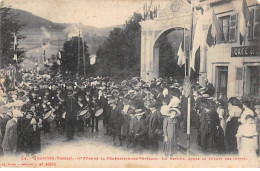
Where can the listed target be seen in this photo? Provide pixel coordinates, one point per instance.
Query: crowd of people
(134, 113)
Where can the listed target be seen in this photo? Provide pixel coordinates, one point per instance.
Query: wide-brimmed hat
(178, 112)
(205, 95)
(139, 112)
(112, 101)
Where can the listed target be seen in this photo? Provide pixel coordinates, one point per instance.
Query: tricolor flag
(214, 31)
(244, 16)
(181, 52)
(200, 39)
(243, 21)
(196, 41)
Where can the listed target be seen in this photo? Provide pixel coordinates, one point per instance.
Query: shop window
(254, 80)
(229, 28)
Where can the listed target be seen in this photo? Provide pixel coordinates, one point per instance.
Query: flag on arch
(181, 52)
(196, 41)
(210, 38)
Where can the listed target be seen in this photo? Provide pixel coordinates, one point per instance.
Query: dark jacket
(231, 131)
(139, 127)
(155, 123)
(71, 108)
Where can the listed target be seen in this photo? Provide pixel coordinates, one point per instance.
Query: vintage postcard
(129, 84)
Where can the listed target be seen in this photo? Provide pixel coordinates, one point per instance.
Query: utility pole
(189, 74)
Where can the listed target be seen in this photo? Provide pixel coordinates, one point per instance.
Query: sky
(98, 13)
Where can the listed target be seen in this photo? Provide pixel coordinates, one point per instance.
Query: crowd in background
(134, 113)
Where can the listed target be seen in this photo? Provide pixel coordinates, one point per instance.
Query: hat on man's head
(69, 92)
(112, 102)
(205, 95)
(139, 112)
(152, 104)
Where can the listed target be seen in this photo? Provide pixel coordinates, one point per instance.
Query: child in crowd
(170, 131)
(247, 138)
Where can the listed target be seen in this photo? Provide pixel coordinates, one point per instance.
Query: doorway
(222, 81)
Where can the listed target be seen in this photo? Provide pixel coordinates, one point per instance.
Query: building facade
(231, 65)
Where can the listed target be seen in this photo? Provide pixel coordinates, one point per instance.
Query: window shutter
(233, 28)
(251, 25)
(256, 29)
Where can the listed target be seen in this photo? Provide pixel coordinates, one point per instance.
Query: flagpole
(244, 70)
(189, 100)
(16, 58)
(184, 52)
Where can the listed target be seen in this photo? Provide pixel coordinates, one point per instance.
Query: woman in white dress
(247, 138)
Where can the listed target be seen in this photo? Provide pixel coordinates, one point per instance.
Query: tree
(10, 26)
(120, 54)
(70, 57)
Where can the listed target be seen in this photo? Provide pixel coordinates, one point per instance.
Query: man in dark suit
(210, 90)
(71, 108)
(155, 125)
(103, 103)
(116, 120)
(140, 129)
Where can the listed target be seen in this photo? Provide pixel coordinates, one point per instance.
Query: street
(85, 142)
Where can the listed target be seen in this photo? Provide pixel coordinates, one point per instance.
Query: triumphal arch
(176, 15)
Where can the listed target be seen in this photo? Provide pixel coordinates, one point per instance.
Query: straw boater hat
(139, 112)
(112, 101)
(202, 90)
(174, 109)
(205, 95)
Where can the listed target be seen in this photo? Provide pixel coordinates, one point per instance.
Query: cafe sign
(245, 51)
